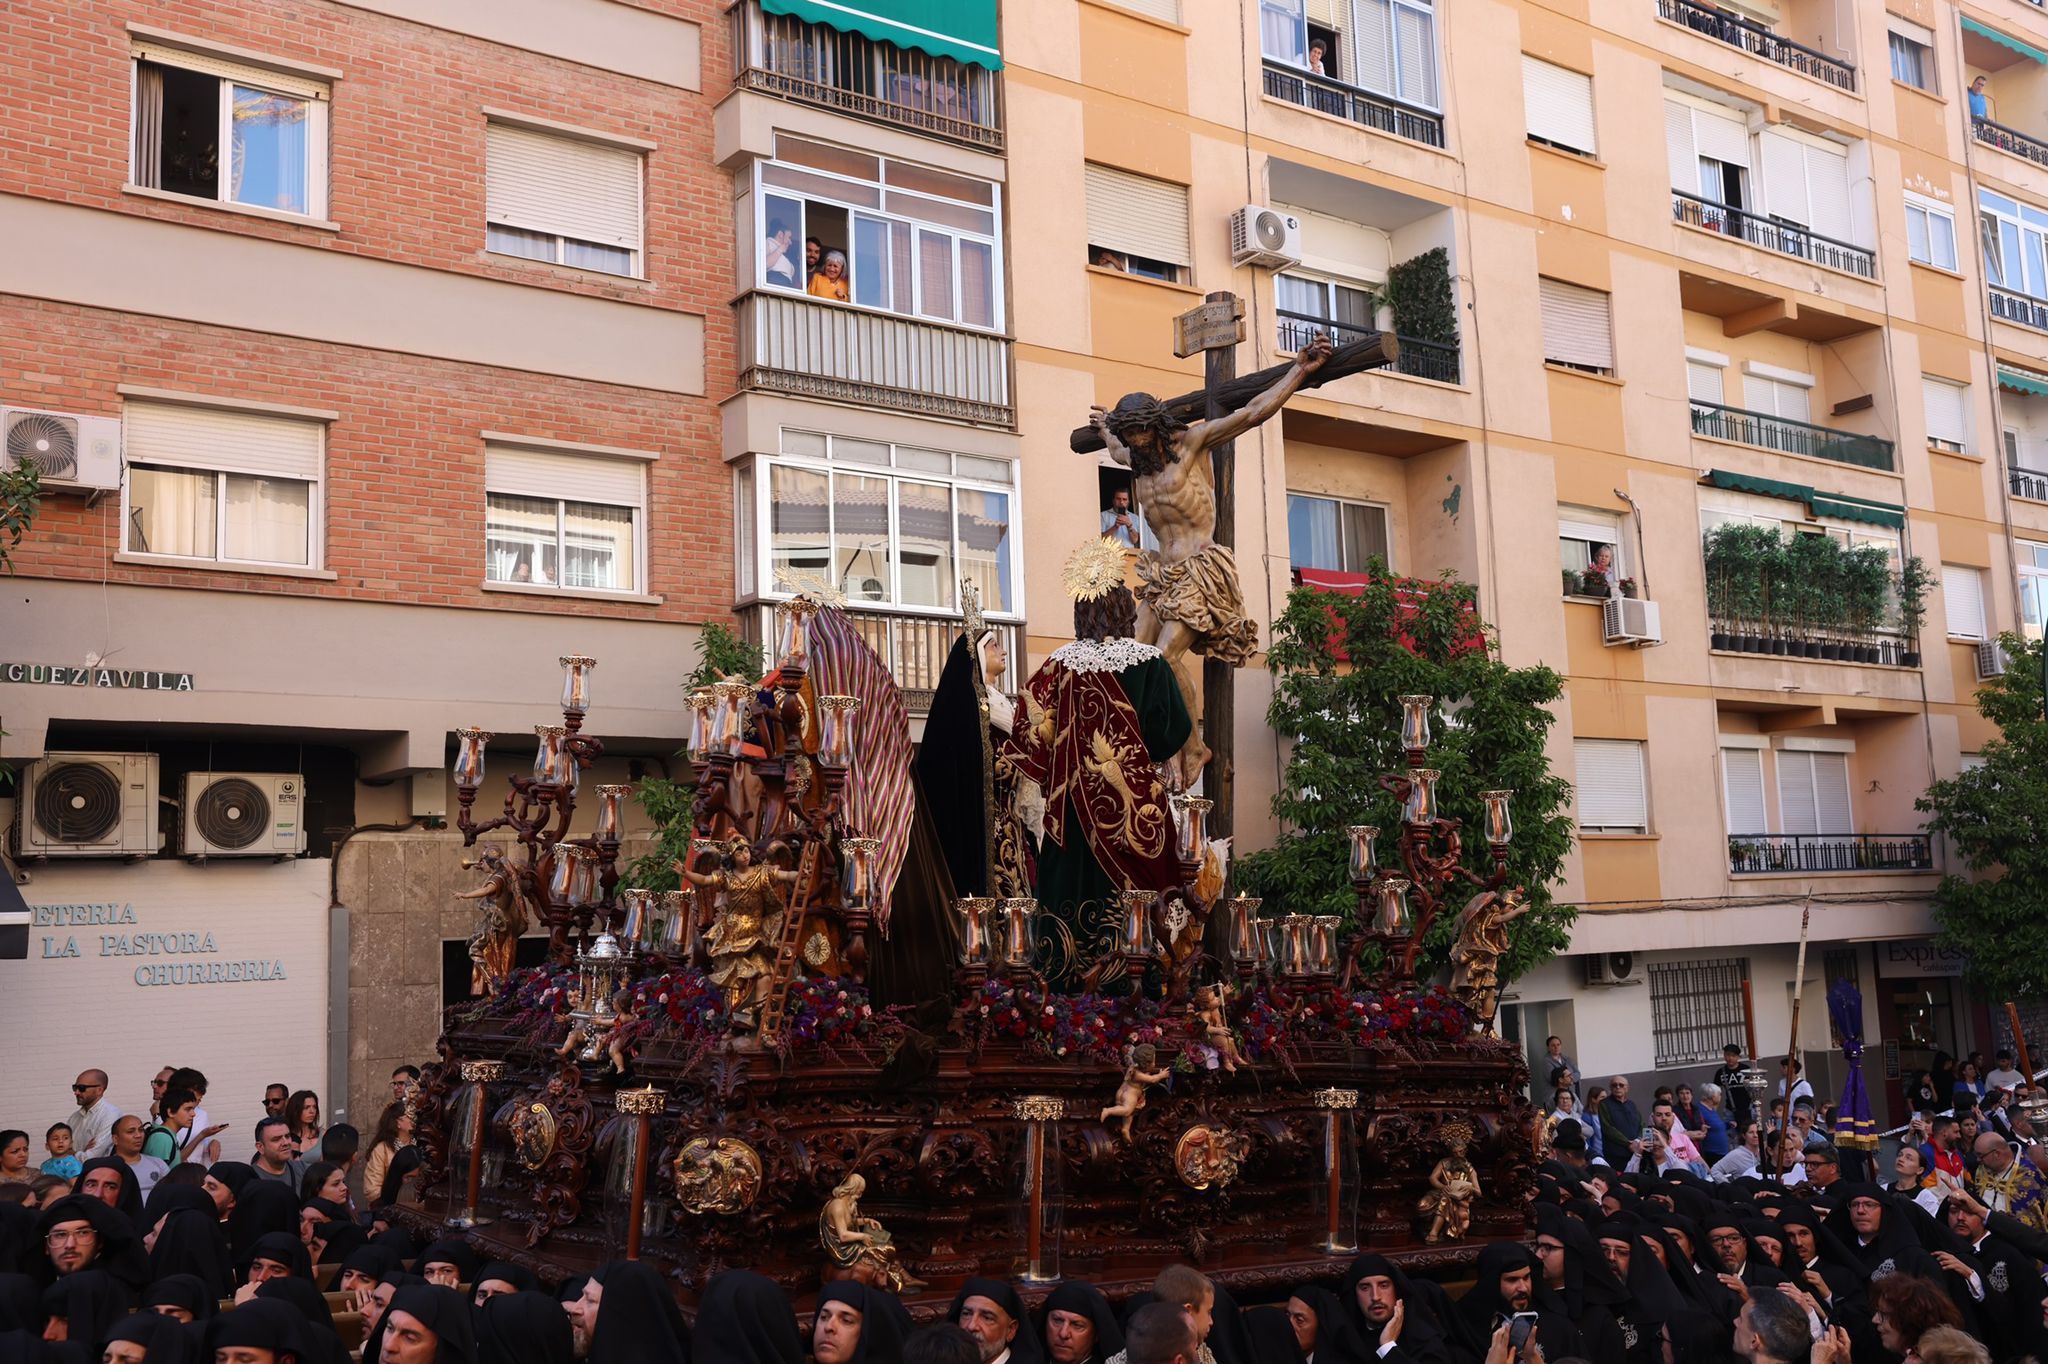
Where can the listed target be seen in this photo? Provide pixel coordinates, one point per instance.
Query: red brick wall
(406, 183)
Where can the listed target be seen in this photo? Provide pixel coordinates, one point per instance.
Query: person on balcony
(830, 281)
(1980, 98)
(1601, 569)
(780, 269)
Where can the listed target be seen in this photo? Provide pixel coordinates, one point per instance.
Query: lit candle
(576, 682)
(1244, 930)
(1295, 930)
(1323, 944)
(1020, 932)
(1192, 826)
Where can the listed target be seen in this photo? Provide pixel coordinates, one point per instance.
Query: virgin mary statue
(970, 787)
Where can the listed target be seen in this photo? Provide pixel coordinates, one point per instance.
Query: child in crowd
(57, 1141)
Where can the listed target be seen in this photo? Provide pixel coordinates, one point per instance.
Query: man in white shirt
(2003, 1076)
(1790, 1086)
(92, 1126)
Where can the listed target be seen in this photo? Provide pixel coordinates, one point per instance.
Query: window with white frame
(888, 525)
(209, 128)
(1742, 790)
(1813, 792)
(1708, 147)
(1385, 46)
(1328, 532)
(1705, 376)
(1578, 327)
(563, 199)
(1930, 231)
(564, 521)
(1582, 533)
(903, 238)
(230, 487)
(2015, 241)
(1613, 793)
(1309, 306)
(1962, 593)
(1948, 412)
(1912, 53)
(2033, 587)
(1775, 392)
(1137, 224)
(1558, 104)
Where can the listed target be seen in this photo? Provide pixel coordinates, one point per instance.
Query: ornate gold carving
(1208, 1157)
(1335, 1098)
(717, 1175)
(860, 1246)
(1038, 1108)
(533, 1135)
(1093, 569)
(635, 1103)
(484, 1071)
(817, 949)
(1453, 1187)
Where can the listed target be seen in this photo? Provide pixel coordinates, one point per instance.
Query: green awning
(1841, 506)
(2027, 50)
(2019, 381)
(964, 30)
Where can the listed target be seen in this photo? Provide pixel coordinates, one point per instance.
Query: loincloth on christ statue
(1201, 592)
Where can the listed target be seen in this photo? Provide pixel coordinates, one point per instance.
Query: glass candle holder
(576, 682)
(1272, 944)
(730, 726)
(1364, 858)
(1191, 827)
(835, 730)
(1420, 805)
(1245, 947)
(562, 873)
(611, 799)
(638, 904)
(1500, 821)
(975, 912)
(860, 854)
(676, 935)
(1392, 916)
(1134, 934)
(583, 877)
(703, 704)
(547, 757)
(1295, 947)
(1336, 1198)
(1038, 1208)
(793, 631)
(1322, 944)
(1415, 722)
(1019, 918)
(469, 758)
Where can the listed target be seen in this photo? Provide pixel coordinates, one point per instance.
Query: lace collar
(1102, 656)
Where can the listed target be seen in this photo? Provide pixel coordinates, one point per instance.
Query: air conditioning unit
(1991, 660)
(87, 805)
(1612, 968)
(1264, 236)
(244, 814)
(73, 454)
(1630, 620)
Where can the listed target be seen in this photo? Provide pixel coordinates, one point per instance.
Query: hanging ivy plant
(1419, 292)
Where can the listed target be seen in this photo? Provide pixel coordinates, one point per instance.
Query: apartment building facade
(1715, 299)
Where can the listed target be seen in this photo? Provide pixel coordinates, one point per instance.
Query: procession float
(981, 1006)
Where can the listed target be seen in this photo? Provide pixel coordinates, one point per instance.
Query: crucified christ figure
(1188, 594)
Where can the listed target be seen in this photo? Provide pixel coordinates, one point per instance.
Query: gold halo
(1093, 570)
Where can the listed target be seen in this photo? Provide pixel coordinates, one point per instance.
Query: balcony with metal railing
(791, 343)
(1768, 432)
(2028, 311)
(1773, 234)
(1759, 41)
(2012, 140)
(2031, 484)
(1795, 854)
(913, 645)
(850, 73)
(1363, 107)
(1418, 359)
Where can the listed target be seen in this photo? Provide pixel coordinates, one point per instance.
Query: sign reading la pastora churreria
(195, 969)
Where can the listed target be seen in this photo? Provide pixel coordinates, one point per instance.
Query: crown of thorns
(1143, 412)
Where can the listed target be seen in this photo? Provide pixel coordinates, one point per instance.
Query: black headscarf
(1272, 1337)
(745, 1319)
(373, 1261)
(20, 1251)
(1024, 1345)
(262, 1207)
(163, 1339)
(403, 1162)
(307, 1300)
(189, 1239)
(90, 1301)
(339, 1240)
(1482, 1308)
(118, 1249)
(637, 1318)
(447, 1314)
(373, 1340)
(881, 1329)
(1422, 1335)
(264, 1324)
(21, 1303)
(450, 1250)
(283, 1248)
(130, 1203)
(1336, 1343)
(183, 1290)
(398, 1241)
(526, 1328)
(236, 1174)
(518, 1276)
(951, 770)
(1083, 1300)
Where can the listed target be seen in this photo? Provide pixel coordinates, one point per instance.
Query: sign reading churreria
(63, 675)
(198, 954)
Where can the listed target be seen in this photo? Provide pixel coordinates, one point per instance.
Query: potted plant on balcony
(1719, 551)
(1774, 562)
(1628, 587)
(1571, 582)
(1735, 548)
(1914, 580)
(1870, 569)
(1808, 558)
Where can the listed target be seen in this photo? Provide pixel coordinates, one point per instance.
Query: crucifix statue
(1188, 593)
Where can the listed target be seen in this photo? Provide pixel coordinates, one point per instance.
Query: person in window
(1601, 569)
(1318, 54)
(1119, 522)
(1980, 98)
(780, 268)
(1106, 259)
(830, 281)
(813, 249)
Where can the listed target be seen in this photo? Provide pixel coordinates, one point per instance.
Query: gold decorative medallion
(1208, 1157)
(533, 1135)
(817, 949)
(717, 1175)
(1038, 1108)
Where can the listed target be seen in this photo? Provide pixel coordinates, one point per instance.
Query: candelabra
(539, 808)
(1398, 903)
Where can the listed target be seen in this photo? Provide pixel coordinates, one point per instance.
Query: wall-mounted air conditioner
(87, 805)
(244, 814)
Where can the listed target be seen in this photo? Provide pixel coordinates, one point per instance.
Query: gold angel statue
(505, 916)
(745, 929)
(1453, 1186)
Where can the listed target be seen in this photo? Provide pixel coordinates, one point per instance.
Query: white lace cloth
(1102, 656)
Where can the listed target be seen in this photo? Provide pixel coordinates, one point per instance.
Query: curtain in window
(1365, 536)
(149, 125)
(268, 519)
(935, 274)
(1283, 34)
(799, 533)
(519, 539)
(924, 521)
(1308, 297)
(269, 167)
(597, 547)
(977, 284)
(1312, 532)
(985, 545)
(171, 511)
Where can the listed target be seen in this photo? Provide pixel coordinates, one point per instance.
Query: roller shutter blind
(1948, 410)
(1813, 793)
(1678, 144)
(1138, 215)
(230, 442)
(1578, 328)
(1610, 785)
(1962, 591)
(305, 87)
(543, 182)
(1806, 184)
(1169, 10)
(572, 478)
(1742, 775)
(1776, 398)
(1559, 104)
(1703, 382)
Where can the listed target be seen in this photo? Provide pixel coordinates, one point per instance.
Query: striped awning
(2005, 40)
(1840, 506)
(2022, 381)
(964, 30)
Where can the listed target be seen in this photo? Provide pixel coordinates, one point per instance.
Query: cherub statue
(1208, 1009)
(1141, 1068)
(746, 928)
(1453, 1184)
(1482, 940)
(601, 1033)
(860, 1245)
(504, 918)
